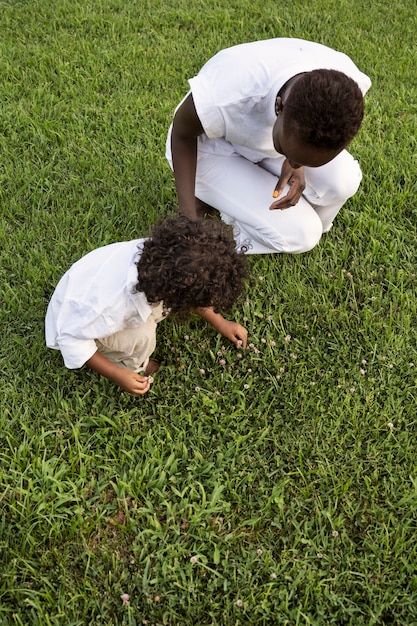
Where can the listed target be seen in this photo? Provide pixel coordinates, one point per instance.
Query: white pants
(132, 347)
(242, 192)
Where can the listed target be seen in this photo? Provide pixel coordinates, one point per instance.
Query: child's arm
(232, 330)
(126, 379)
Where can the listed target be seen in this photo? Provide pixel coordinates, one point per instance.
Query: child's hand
(134, 383)
(126, 379)
(235, 332)
(231, 330)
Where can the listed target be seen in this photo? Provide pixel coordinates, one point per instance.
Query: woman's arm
(185, 130)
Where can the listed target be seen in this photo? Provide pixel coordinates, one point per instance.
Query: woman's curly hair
(190, 264)
(325, 109)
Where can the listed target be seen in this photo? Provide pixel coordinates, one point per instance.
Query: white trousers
(242, 192)
(131, 348)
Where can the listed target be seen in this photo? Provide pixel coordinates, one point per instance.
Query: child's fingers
(141, 384)
(241, 338)
(141, 390)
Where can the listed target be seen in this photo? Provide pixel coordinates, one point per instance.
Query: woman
(281, 109)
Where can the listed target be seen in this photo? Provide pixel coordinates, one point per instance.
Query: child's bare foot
(152, 367)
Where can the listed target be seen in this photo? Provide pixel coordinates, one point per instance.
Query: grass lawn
(277, 486)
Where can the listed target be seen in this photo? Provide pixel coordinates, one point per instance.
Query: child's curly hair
(191, 264)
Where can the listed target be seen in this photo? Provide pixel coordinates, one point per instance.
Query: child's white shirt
(95, 298)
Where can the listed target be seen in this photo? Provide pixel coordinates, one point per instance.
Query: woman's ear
(278, 105)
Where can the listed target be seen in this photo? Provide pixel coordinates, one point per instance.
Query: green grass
(278, 471)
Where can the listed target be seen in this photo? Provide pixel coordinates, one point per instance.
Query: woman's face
(298, 152)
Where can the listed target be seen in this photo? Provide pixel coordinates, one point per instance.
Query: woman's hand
(294, 177)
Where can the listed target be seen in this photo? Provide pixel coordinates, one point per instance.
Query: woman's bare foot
(152, 367)
(204, 210)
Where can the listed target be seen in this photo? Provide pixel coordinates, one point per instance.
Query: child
(105, 309)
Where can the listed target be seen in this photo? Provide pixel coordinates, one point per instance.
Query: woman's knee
(346, 180)
(302, 238)
(346, 186)
(307, 238)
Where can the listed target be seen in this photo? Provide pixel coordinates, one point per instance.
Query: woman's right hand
(294, 177)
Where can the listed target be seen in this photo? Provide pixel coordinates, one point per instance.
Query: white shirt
(95, 298)
(235, 91)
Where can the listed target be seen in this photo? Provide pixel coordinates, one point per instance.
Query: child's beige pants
(132, 347)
